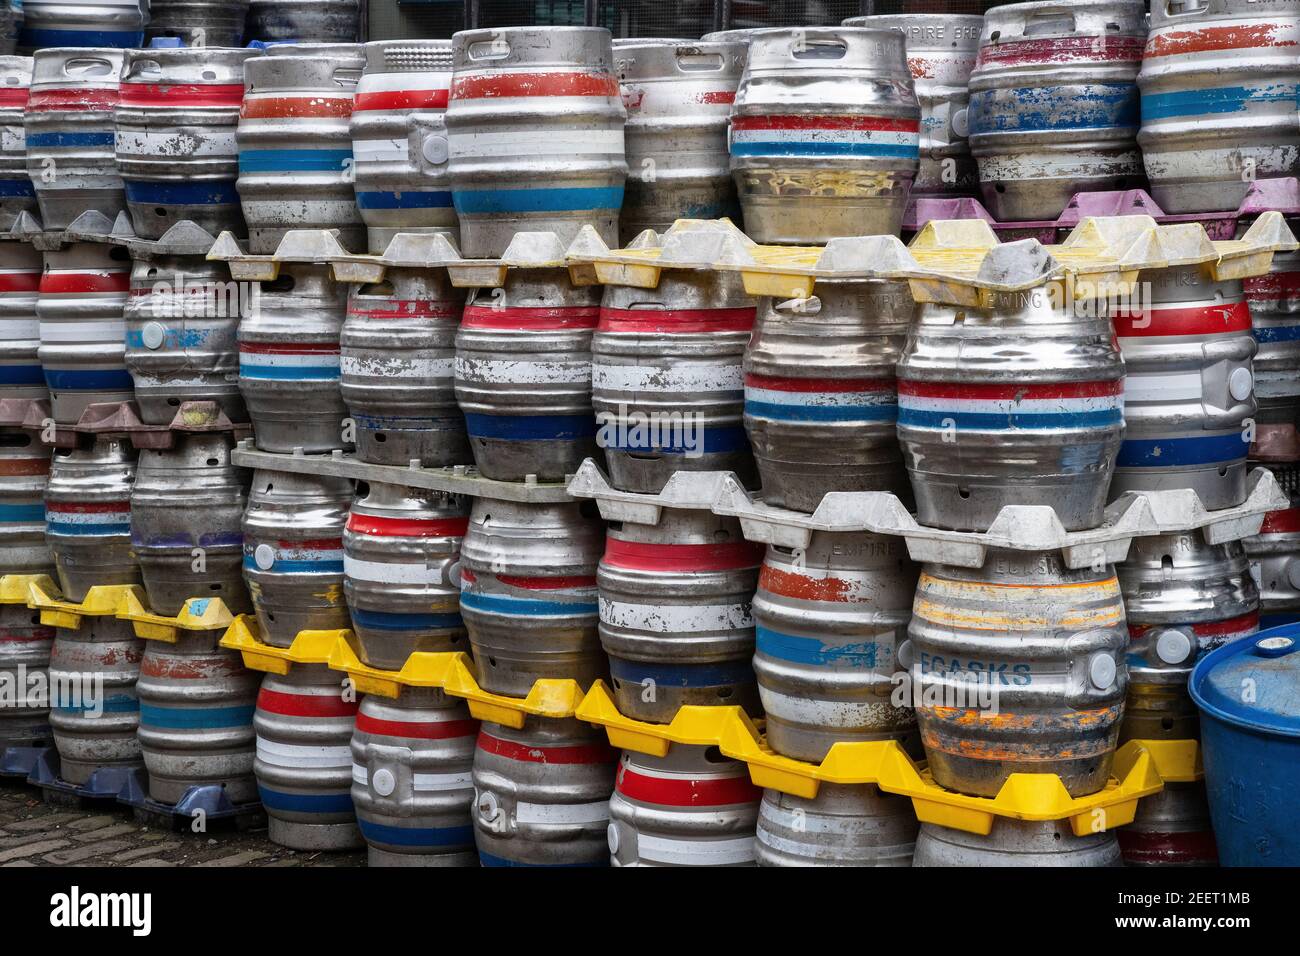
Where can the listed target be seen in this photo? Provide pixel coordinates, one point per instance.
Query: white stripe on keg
(422, 782)
(1197, 164)
(530, 372)
(273, 360)
(178, 146)
(21, 329)
(13, 139)
(398, 367)
(380, 151)
(670, 618)
(107, 330)
(380, 572)
(1163, 387)
(562, 812)
(837, 714)
(299, 755)
(683, 378)
(542, 142)
(1048, 165)
(660, 849)
(421, 80)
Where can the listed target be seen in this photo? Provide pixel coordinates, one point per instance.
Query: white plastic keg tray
(405, 251)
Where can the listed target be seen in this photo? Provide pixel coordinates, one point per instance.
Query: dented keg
(675, 615)
(88, 515)
(841, 826)
(523, 375)
(825, 134)
(541, 794)
(181, 346)
(1218, 100)
(1018, 667)
(25, 646)
(397, 369)
(94, 710)
(304, 723)
(17, 194)
(668, 381)
(830, 620)
(24, 472)
(186, 506)
(69, 130)
(399, 140)
(74, 24)
(1183, 598)
(821, 400)
(691, 807)
(175, 137)
(528, 593)
(196, 718)
(289, 361)
(535, 135)
(295, 151)
(1017, 404)
(198, 23)
(304, 21)
(1274, 556)
(293, 553)
(941, 52)
(1172, 828)
(79, 307)
(1274, 302)
(400, 549)
(411, 778)
(678, 96)
(1054, 104)
(1016, 843)
(1189, 400)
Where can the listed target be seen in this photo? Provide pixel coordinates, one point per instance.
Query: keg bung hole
(1001, 187)
(963, 494)
(1056, 836)
(492, 661)
(36, 618)
(1166, 723)
(380, 437)
(213, 462)
(1223, 472)
(214, 587)
(724, 693)
(159, 211)
(173, 402)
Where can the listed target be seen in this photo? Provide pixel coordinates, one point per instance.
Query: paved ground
(33, 833)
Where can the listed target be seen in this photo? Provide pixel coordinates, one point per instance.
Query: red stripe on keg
(545, 584)
(182, 94)
(1200, 320)
(290, 107)
(686, 791)
(410, 309)
(573, 754)
(422, 730)
(96, 101)
(677, 320)
(716, 97)
(640, 556)
(1234, 625)
(24, 466)
(34, 635)
(88, 507)
(11, 96)
(312, 544)
(1286, 521)
(1244, 36)
(1276, 285)
(804, 588)
(75, 283)
(20, 281)
(540, 320)
(496, 86)
(401, 100)
(1168, 849)
(408, 527)
(1072, 49)
(874, 124)
(305, 705)
(996, 392)
(290, 348)
(778, 384)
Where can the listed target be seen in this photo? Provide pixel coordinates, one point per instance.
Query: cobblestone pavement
(33, 833)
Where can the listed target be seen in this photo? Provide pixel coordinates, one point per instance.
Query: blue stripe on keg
(289, 373)
(682, 675)
(57, 140)
(172, 338)
(306, 802)
(281, 566)
(1281, 333)
(531, 427)
(812, 148)
(22, 513)
(89, 379)
(293, 160)
(218, 193)
(1175, 452)
(487, 859)
(194, 718)
(924, 418)
(1224, 99)
(109, 705)
(393, 621)
(809, 650)
(117, 39)
(1056, 109)
(63, 527)
(17, 187)
(186, 539)
(576, 199)
(716, 441)
(527, 607)
(21, 375)
(416, 836)
(394, 423)
(823, 413)
(410, 199)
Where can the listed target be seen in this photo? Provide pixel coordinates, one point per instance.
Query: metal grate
(393, 20)
(1288, 477)
(976, 7)
(745, 14)
(532, 13)
(688, 19)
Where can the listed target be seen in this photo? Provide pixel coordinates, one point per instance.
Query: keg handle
(141, 67)
(347, 77)
(822, 48)
(1181, 8)
(492, 46)
(689, 60)
(86, 67)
